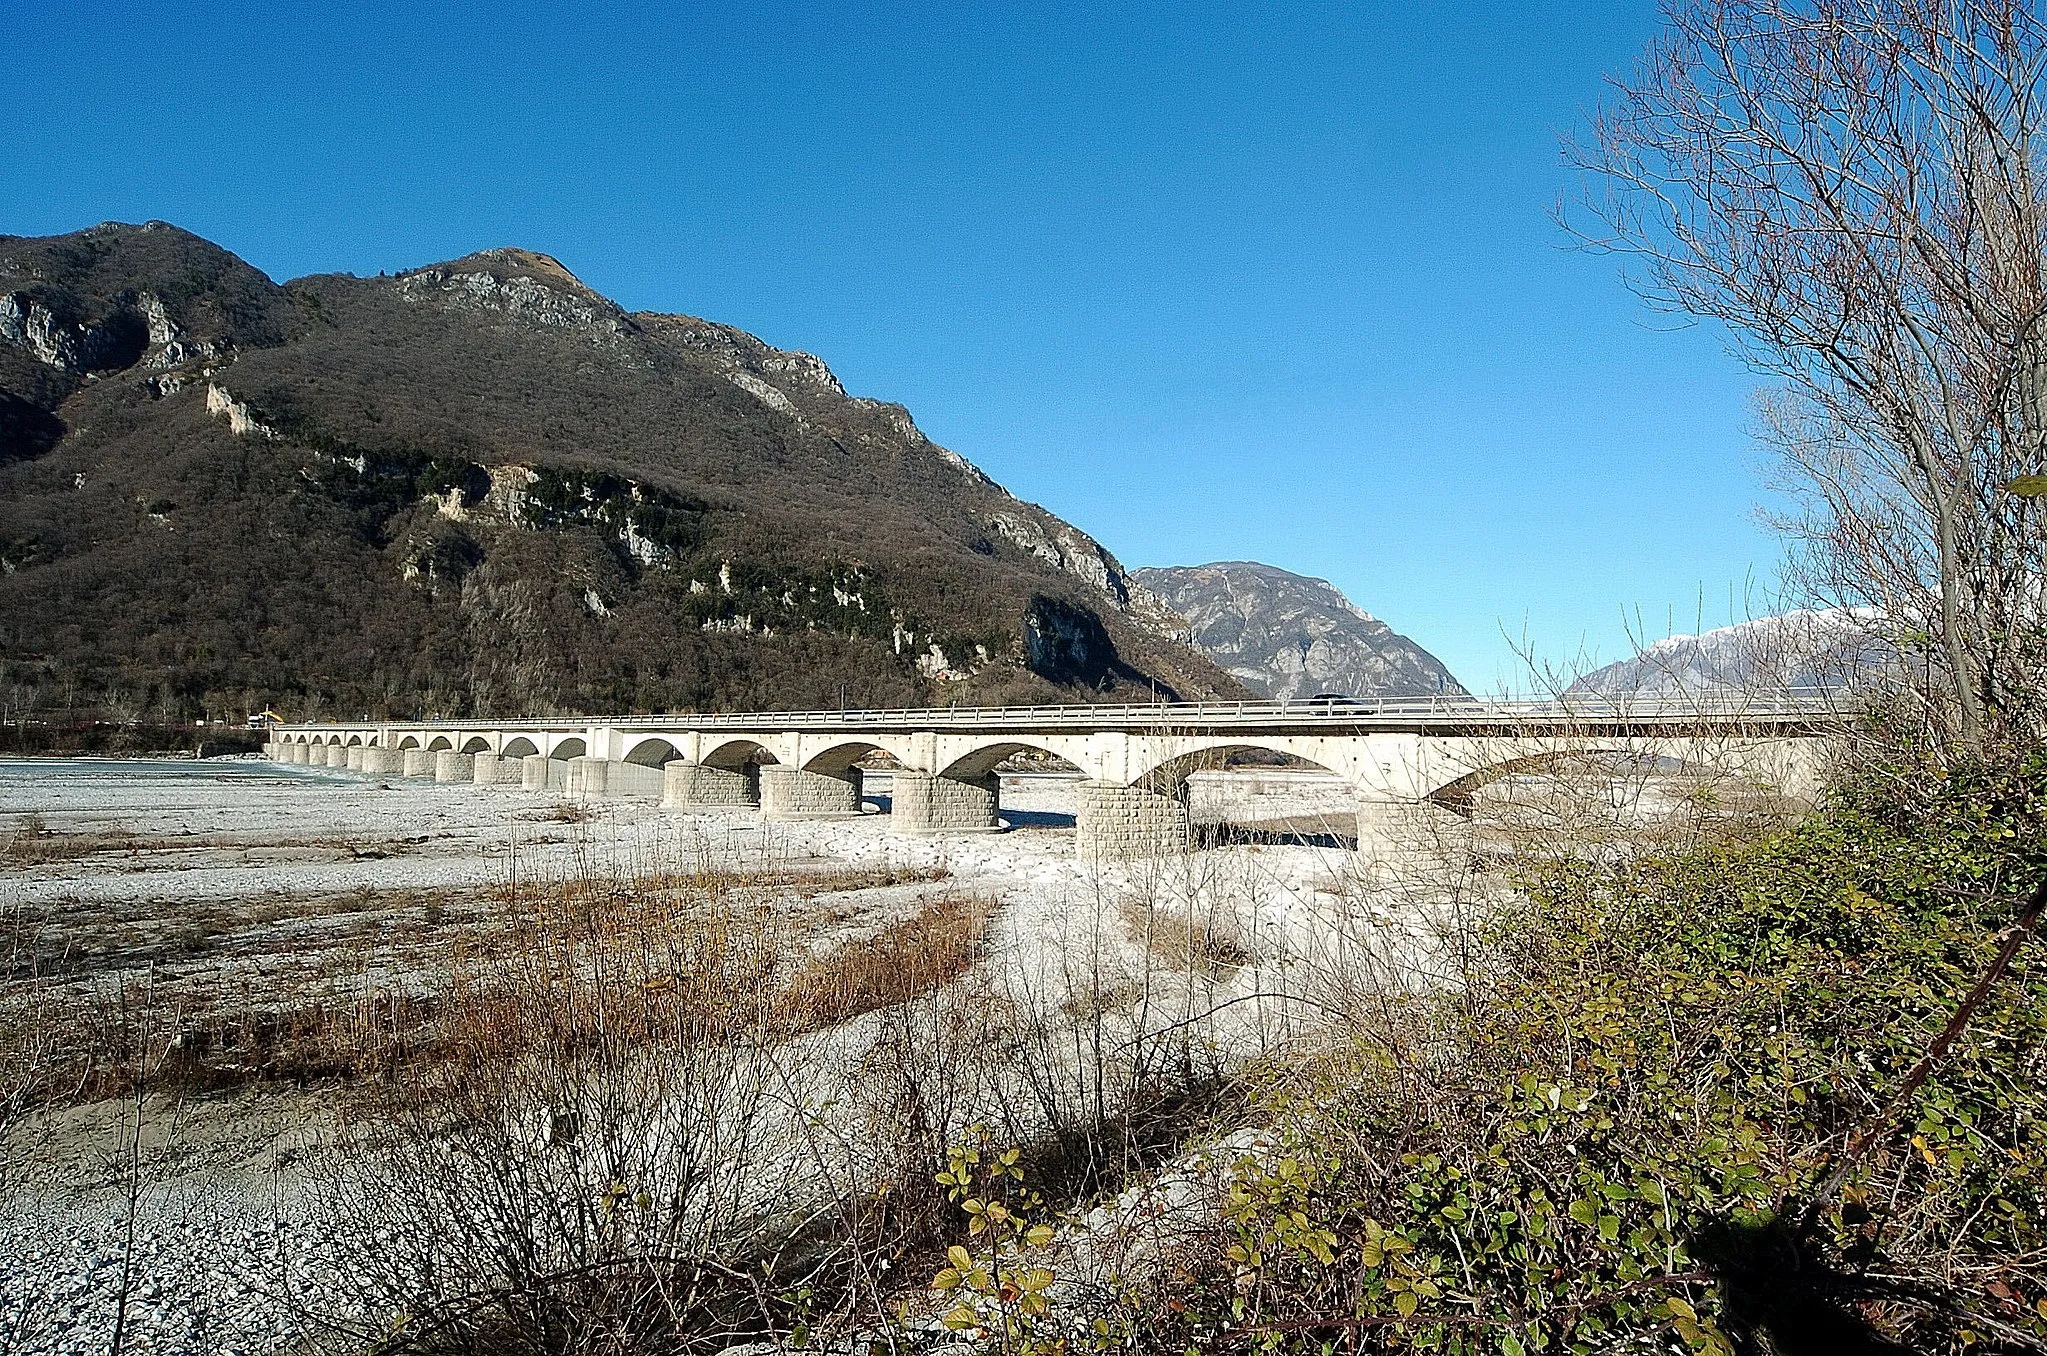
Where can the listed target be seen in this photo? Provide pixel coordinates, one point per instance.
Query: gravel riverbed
(204, 1233)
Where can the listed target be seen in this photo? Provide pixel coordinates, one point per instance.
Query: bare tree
(1853, 188)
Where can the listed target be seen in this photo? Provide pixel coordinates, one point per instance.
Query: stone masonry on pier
(1408, 762)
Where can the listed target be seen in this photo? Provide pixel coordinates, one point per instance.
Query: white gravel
(223, 1240)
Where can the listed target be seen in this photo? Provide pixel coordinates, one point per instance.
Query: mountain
(481, 487)
(1829, 648)
(1287, 636)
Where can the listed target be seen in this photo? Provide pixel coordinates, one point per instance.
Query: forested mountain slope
(481, 487)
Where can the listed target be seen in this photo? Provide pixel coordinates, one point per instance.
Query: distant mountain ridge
(1829, 648)
(481, 487)
(1289, 636)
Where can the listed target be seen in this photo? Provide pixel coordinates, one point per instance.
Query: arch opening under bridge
(1253, 792)
(738, 753)
(653, 753)
(844, 754)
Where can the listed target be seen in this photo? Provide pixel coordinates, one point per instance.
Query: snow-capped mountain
(1828, 648)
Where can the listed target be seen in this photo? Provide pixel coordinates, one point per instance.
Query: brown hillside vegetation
(480, 487)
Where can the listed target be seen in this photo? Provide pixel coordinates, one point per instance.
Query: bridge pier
(415, 763)
(352, 760)
(450, 766)
(795, 793)
(696, 786)
(484, 770)
(294, 754)
(533, 772)
(1115, 822)
(335, 756)
(923, 803)
(382, 762)
(1393, 830)
(587, 777)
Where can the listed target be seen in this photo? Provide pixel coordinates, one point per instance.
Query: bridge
(1403, 759)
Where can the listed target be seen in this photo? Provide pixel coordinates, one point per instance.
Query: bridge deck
(1814, 711)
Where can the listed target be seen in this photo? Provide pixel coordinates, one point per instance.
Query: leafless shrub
(1182, 941)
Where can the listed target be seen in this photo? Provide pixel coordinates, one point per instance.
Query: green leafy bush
(1609, 1137)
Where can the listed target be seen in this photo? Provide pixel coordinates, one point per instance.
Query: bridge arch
(734, 753)
(653, 752)
(520, 747)
(1169, 775)
(570, 747)
(842, 755)
(477, 744)
(1602, 758)
(981, 761)
(408, 742)
(441, 742)
(354, 740)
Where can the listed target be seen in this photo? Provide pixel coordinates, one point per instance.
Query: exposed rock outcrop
(1289, 636)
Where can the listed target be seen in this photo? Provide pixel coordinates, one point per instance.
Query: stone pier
(1128, 821)
(1394, 831)
(794, 793)
(382, 762)
(484, 771)
(923, 803)
(417, 763)
(337, 756)
(450, 766)
(693, 786)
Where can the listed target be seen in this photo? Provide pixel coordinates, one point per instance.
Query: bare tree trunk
(1850, 187)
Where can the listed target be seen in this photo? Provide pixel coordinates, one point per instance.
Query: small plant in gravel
(997, 1290)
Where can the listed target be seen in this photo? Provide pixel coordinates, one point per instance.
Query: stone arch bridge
(1402, 758)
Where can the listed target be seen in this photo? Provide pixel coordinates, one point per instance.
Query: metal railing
(1805, 707)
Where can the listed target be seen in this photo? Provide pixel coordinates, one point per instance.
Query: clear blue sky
(1229, 282)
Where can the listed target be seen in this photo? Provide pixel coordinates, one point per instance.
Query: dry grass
(1180, 941)
(368, 985)
(31, 842)
(901, 962)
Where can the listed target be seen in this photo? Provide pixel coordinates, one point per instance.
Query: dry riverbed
(192, 936)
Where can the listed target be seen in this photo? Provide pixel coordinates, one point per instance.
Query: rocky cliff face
(1288, 636)
(1833, 648)
(482, 486)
